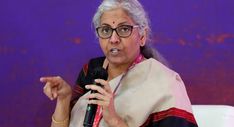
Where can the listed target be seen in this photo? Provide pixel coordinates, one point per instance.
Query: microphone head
(99, 73)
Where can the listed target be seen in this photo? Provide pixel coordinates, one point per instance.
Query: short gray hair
(132, 7)
(137, 13)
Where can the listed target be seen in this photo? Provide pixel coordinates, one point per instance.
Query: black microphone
(98, 73)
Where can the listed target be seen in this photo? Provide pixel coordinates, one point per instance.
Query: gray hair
(137, 13)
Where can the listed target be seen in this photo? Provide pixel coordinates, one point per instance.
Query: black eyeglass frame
(115, 29)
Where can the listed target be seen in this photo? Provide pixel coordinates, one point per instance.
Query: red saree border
(155, 117)
(77, 90)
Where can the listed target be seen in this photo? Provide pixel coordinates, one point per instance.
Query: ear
(143, 38)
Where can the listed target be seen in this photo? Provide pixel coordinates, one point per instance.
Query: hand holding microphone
(95, 96)
(104, 97)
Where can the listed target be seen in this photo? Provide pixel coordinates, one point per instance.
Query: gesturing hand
(56, 87)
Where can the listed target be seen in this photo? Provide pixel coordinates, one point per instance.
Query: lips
(114, 51)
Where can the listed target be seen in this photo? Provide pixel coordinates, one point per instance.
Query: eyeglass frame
(115, 29)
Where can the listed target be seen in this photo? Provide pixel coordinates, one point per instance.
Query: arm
(60, 117)
(57, 88)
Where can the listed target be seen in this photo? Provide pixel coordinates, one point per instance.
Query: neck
(116, 70)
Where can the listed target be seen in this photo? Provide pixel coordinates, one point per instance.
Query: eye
(105, 29)
(124, 29)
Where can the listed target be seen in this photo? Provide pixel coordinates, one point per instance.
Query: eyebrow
(122, 23)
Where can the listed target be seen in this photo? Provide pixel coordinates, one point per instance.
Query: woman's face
(119, 50)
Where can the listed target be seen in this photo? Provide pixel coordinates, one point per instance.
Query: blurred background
(56, 37)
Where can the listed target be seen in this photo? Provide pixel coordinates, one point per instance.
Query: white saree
(148, 88)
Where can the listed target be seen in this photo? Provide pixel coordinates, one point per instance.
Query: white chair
(214, 115)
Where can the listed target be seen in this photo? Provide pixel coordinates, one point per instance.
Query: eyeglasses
(123, 31)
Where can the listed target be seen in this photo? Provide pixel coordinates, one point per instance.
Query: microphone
(98, 73)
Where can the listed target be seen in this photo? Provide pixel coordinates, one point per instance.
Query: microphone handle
(90, 112)
(90, 115)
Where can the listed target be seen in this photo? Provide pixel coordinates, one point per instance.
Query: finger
(47, 90)
(96, 88)
(98, 96)
(54, 92)
(52, 79)
(98, 102)
(105, 84)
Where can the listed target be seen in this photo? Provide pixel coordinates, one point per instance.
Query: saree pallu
(150, 95)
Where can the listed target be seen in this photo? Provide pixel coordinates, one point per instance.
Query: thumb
(54, 92)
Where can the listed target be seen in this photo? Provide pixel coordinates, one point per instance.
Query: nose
(114, 38)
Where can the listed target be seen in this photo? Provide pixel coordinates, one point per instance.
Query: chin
(116, 60)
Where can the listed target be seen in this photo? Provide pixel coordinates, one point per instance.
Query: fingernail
(41, 79)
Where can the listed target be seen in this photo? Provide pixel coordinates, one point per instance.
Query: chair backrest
(214, 115)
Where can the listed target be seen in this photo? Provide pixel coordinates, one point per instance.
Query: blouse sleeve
(79, 88)
(85, 78)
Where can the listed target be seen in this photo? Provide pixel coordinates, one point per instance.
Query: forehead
(115, 17)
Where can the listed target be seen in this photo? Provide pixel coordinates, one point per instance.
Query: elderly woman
(139, 90)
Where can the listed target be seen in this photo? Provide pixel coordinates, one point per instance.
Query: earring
(141, 44)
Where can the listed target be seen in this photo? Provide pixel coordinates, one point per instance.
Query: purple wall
(55, 37)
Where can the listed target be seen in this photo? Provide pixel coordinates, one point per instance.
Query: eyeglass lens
(122, 31)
